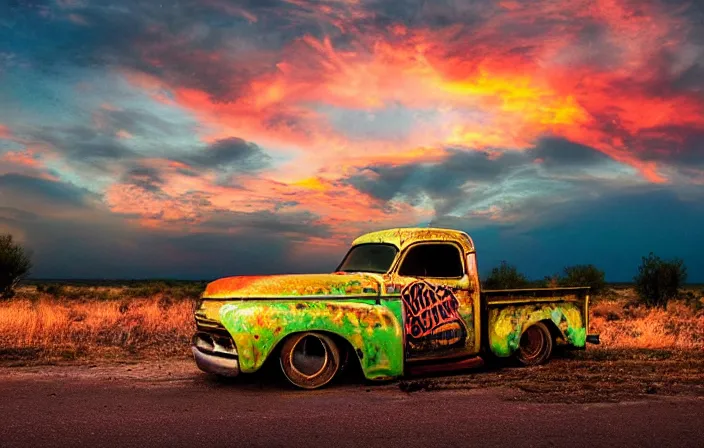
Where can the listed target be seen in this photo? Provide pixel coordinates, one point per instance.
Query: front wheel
(535, 346)
(309, 360)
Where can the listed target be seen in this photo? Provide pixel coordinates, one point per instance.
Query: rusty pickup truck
(401, 302)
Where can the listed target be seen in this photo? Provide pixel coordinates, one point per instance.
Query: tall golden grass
(48, 327)
(679, 326)
(40, 326)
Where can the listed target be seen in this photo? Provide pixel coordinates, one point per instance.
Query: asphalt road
(160, 405)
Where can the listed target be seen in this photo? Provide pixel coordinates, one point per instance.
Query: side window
(432, 260)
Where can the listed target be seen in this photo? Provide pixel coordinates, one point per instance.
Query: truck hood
(290, 286)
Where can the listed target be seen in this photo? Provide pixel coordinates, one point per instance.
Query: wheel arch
(342, 342)
(507, 324)
(374, 332)
(555, 331)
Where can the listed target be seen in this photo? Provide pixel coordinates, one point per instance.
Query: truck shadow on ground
(270, 377)
(601, 375)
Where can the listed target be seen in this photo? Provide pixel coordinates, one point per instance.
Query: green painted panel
(507, 323)
(374, 331)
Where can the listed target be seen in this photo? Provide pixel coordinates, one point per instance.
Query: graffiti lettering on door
(432, 318)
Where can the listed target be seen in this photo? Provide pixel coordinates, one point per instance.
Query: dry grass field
(53, 323)
(67, 322)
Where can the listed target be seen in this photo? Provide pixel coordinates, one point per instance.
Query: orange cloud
(493, 88)
(22, 158)
(26, 163)
(192, 200)
(4, 132)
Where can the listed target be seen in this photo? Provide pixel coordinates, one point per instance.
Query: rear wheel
(309, 360)
(535, 346)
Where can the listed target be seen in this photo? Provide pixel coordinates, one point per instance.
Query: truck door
(437, 297)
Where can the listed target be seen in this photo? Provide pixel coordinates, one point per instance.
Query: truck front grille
(215, 344)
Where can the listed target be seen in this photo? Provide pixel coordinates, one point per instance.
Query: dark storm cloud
(693, 12)
(72, 236)
(102, 149)
(173, 41)
(149, 179)
(192, 43)
(13, 214)
(136, 122)
(233, 153)
(68, 249)
(84, 144)
(436, 179)
(298, 223)
(15, 186)
(444, 179)
(555, 152)
(691, 79)
(688, 142)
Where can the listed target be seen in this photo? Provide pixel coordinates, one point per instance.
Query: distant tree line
(506, 276)
(656, 282)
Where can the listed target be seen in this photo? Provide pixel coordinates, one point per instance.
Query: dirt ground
(599, 375)
(594, 375)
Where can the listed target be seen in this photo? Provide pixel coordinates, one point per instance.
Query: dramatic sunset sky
(201, 138)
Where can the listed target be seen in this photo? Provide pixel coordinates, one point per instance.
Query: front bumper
(217, 365)
(215, 354)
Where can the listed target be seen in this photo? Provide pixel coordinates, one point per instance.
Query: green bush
(659, 280)
(505, 276)
(15, 265)
(583, 275)
(55, 290)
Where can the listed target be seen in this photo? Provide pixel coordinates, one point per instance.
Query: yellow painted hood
(291, 286)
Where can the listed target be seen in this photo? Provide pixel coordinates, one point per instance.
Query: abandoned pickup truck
(402, 301)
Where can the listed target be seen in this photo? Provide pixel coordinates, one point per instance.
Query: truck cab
(434, 274)
(402, 301)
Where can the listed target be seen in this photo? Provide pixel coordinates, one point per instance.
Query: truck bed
(508, 312)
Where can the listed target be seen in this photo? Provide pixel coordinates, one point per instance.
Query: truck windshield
(369, 258)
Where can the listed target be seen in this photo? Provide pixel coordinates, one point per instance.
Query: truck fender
(507, 324)
(373, 331)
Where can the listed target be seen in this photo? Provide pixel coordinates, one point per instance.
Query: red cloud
(524, 72)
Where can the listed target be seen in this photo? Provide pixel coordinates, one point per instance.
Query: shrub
(54, 290)
(552, 281)
(15, 264)
(505, 276)
(659, 280)
(584, 275)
